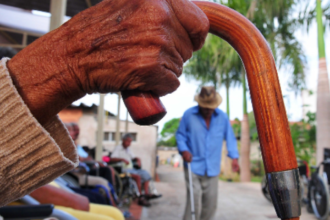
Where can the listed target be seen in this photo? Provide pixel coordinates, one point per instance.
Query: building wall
(166, 153)
(88, 128)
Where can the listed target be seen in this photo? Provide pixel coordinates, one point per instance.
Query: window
(107, 136)
(111, 136)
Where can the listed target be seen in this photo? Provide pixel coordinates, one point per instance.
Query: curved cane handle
(272, 123)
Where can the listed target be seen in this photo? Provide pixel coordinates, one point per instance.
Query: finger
(182, 44)
(172, 60)
(193, 19)
(166, 83)
(154, 77)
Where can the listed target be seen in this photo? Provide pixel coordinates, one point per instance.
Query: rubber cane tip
(145, 108)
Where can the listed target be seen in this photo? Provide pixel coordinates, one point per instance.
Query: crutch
(192, 204)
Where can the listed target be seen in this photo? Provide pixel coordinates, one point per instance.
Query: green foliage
(168, 133)
(171, 142)
(252, 125)
(275, 21)
(170, 127)
(237, 127)
(210, 66)
(257, 169)
(304, 138)
(218, 64)
(308, 13)
(303, 135)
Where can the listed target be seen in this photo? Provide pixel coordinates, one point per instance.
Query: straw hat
(208, 98)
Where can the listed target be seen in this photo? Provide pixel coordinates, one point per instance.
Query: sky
(183, 98)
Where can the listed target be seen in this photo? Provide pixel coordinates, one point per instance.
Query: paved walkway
(237, 201)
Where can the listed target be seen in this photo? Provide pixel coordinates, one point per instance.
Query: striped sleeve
(31, 155)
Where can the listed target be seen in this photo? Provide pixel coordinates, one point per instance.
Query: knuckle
(205, 24)
(159, 13)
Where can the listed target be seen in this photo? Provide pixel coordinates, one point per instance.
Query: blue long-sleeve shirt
(205, 144)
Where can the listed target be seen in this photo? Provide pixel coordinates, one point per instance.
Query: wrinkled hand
(187, 157)
(235, 165)
(116, 45)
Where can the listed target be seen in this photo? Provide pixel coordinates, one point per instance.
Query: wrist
(43, 79)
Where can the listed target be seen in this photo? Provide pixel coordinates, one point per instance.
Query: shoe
(144, 202)
(153, 196)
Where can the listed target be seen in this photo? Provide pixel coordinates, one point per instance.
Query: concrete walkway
(236, 201)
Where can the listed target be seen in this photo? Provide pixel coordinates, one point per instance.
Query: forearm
(41, 75)
(51, 195)
(232, 149)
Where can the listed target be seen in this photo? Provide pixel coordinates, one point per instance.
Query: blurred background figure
(199, 138)
(122, 153)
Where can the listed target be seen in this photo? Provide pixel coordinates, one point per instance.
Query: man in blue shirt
(199, 138)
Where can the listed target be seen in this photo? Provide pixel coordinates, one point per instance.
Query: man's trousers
(205, 196)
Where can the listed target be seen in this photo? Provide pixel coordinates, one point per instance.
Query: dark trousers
(104, 172)
(93, 197)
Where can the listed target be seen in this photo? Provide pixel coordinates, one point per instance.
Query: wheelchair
(318, 190)
(127, 190)
(70, 180)
(32, 210)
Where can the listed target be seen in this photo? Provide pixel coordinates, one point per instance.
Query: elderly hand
(235, 165)
(187, 157)
(113, 46)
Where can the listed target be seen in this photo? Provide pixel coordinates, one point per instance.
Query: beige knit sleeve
(30, 155)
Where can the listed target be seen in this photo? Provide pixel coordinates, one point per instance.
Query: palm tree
(323, 92)
(273, 20)
(209, 65)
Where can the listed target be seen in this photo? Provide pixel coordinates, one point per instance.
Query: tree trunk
(323, 93)
(322, 111)
(245, 150)
(227, 100)
(245, 175)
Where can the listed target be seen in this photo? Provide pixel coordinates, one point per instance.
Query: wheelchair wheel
(119, 184)
(319, 197)
(265, 190)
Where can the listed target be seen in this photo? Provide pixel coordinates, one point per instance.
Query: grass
(254, 179)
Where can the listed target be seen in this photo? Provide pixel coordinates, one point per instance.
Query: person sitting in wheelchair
(122, 153)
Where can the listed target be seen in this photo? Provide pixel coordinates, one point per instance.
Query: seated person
(75, 204)
(93, 197)
(122, 153)
(90, 179)
(104, 171)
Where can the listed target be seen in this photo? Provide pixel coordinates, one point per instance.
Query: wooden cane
(268, 106)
